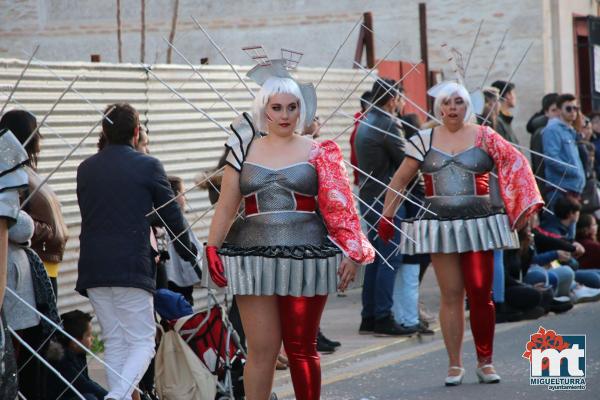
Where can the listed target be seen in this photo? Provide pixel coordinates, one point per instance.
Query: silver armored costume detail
(277, 222)
(454, 183)
(279, 249)
(281, 245)
(12, 176)
(463, 194)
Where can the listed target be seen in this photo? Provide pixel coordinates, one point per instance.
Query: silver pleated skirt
(458, 235)
(301, 271)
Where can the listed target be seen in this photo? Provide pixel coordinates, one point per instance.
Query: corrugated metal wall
(185, 141)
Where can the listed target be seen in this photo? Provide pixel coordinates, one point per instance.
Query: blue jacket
(560, 142)
(116, 188)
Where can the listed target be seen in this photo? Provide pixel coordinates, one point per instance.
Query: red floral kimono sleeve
(518, 188)
(336, 203)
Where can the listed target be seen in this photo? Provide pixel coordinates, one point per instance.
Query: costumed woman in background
(299, 239)
(474, 215)
(12, 179)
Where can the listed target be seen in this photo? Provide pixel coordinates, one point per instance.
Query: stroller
(214, 340)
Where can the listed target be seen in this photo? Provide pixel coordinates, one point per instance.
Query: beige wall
(558, 34)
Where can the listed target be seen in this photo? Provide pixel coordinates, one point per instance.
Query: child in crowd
(70, 360)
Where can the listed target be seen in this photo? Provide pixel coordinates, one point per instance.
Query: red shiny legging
(300, 318)
(478, 275)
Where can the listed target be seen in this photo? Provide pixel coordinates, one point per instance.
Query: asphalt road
(415, 369)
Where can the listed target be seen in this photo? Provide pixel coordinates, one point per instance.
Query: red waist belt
(482, 184)
(303, 203)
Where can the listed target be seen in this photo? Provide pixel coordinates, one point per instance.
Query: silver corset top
(277, 223)
(275, 188)
(458, 186)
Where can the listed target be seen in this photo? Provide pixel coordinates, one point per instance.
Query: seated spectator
(70, 361)
(531, 296)
(587, 231)
(567, 213)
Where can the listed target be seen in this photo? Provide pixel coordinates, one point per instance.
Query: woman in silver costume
(471, 215)
(299, 238)
(12, 179)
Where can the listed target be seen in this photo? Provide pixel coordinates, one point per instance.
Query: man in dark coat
(116, 189)
(379, 150)
(508, 101)
(537, 123)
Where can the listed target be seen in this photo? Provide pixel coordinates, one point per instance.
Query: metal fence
(185, 141)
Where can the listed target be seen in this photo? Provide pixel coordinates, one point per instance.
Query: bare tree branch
(172, 34)
(143, 38)
(119, 39)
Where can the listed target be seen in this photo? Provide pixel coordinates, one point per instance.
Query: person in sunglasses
(563, 166)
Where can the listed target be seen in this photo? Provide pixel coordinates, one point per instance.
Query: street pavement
(369, 368)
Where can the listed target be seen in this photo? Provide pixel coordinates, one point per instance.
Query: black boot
(324, 347)
(387, 326)
(505, 313)
(366, 326)
(332, 343)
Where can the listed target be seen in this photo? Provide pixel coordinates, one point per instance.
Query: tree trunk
(172, 34)
(143, 38)
(119, 40)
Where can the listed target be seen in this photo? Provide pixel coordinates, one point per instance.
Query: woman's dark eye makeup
(277, 107)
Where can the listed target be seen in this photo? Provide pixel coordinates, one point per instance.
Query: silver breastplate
(454, 183)
(276, 221)
(275, 188)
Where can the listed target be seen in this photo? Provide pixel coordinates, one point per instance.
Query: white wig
(272, 86)
(447, 89)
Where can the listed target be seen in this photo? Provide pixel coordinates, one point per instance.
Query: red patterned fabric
(336, 203)
(518, 188)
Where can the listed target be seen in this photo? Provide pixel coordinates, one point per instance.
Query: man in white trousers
(116, 189)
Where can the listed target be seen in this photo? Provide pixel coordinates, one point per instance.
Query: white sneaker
(583, 294)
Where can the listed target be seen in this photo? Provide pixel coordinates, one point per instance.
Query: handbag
(179, 373)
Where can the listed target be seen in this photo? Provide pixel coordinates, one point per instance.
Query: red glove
(215, 266)
(385, 229)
